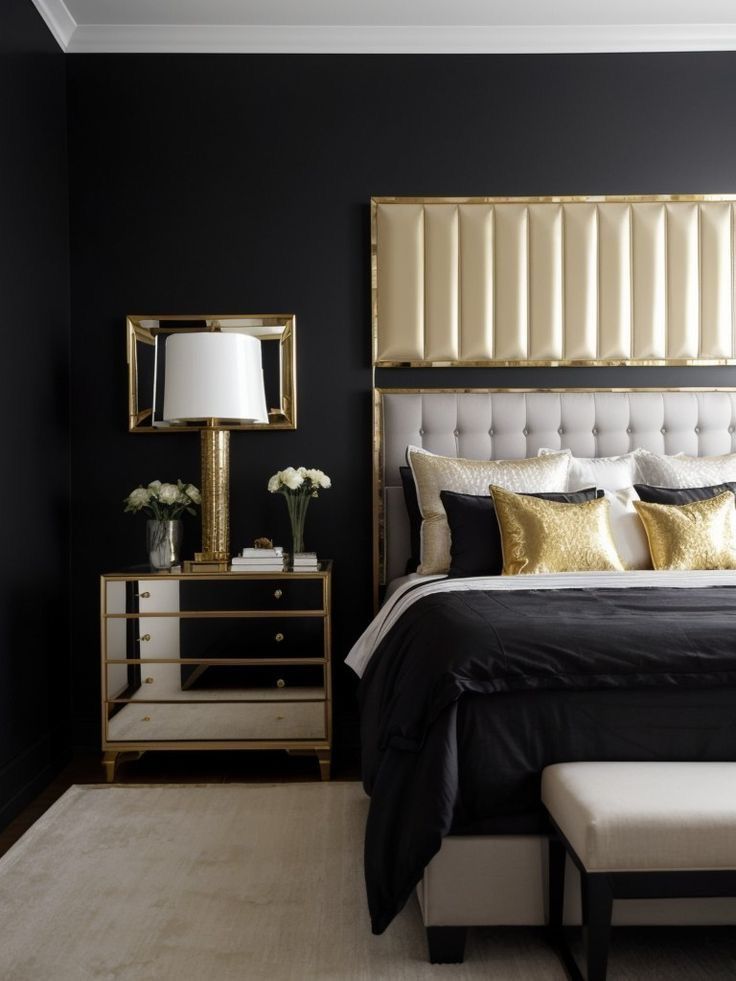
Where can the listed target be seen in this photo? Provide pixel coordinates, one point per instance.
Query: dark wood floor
(174, 767)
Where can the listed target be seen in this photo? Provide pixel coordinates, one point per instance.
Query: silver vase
(164, 543)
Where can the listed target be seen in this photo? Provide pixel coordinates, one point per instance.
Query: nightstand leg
(108, 761)
(111, 758)
(324, 755)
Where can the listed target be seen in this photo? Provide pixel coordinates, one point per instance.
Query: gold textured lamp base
(215, 554)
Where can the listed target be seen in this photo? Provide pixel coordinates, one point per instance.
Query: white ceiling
(391, 26)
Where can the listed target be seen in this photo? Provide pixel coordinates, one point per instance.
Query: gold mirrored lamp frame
(143, 332)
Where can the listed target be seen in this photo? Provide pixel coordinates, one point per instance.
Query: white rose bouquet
(298, 485)
(164, 502)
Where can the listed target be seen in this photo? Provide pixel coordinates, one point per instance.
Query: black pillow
(475, 549)
(680, 495)
(415, 518)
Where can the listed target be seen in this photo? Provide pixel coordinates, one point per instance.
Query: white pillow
(627, 529)
(685, 471)
(433, 474)
(606, 472)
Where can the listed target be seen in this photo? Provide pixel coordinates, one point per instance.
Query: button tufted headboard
(490, 424)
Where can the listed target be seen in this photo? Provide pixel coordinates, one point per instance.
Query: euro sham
(607, 472)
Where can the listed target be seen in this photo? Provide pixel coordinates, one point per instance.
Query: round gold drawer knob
(145, 637)
(145, 595)
(278, 638)
(146, 718)
(149, 681)
(279, 718)
(278, 593)
(281, 683)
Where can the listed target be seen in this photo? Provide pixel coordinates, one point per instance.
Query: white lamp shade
(213, 375)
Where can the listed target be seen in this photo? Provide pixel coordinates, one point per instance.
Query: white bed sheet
(406, 592)
(397, 584)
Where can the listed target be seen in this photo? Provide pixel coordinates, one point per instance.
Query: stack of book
(306, 562)
(259, 560)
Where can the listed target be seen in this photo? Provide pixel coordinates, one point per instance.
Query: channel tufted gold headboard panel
(508, 281)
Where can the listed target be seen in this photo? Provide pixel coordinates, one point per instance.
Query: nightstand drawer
(161, 681)
(285, 678)
(207, 721)
(232, 637)
(286, 593)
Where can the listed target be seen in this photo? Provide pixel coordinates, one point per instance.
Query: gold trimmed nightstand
(236, 660)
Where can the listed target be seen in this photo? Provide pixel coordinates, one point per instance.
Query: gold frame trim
(379, 529)
(535, 199)
(285, 417)
(237, 661)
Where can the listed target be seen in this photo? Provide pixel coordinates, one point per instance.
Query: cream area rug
(247, 883)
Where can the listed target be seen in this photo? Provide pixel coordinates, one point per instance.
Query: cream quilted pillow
(686, 471)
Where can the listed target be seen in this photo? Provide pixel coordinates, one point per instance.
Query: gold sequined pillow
(699, 535)
(547, 536)
(433, 474)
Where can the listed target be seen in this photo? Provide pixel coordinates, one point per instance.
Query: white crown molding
(365, 39)
(58, 20)
(334, 39)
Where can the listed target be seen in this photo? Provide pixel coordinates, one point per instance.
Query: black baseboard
(28, 773)
(86, 733)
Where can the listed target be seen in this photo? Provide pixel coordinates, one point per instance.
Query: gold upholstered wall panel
(644, 280)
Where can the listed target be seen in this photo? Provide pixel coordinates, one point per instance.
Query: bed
(452, 759)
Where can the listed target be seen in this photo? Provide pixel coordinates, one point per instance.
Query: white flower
(164, 502)
(291, 478)
(302, 479)
(168, 494)
(318, 478)
(138, 498)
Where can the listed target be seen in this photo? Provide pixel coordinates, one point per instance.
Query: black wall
(34, 321)
(237, 184)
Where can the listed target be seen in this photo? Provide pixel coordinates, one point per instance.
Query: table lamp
(216, 379)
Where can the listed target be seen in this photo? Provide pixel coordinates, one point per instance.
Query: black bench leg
(597, 903)
(446, 944)
(556, 893)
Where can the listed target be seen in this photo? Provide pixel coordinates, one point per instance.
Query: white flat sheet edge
(409, 592)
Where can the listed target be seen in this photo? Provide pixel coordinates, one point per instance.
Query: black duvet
(472, 693)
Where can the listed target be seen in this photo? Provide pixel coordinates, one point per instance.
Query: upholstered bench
(637, 830)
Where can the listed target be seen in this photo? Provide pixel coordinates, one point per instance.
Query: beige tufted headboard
(564, 280)
(489, 424)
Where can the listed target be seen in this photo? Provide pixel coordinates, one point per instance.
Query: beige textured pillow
(433, 474)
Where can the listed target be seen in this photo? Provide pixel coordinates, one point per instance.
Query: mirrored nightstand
(216, 661)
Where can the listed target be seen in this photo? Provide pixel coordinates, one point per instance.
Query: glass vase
(164, 542)
(297, 505)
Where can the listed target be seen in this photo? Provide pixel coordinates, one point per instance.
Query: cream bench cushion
(645, 816)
